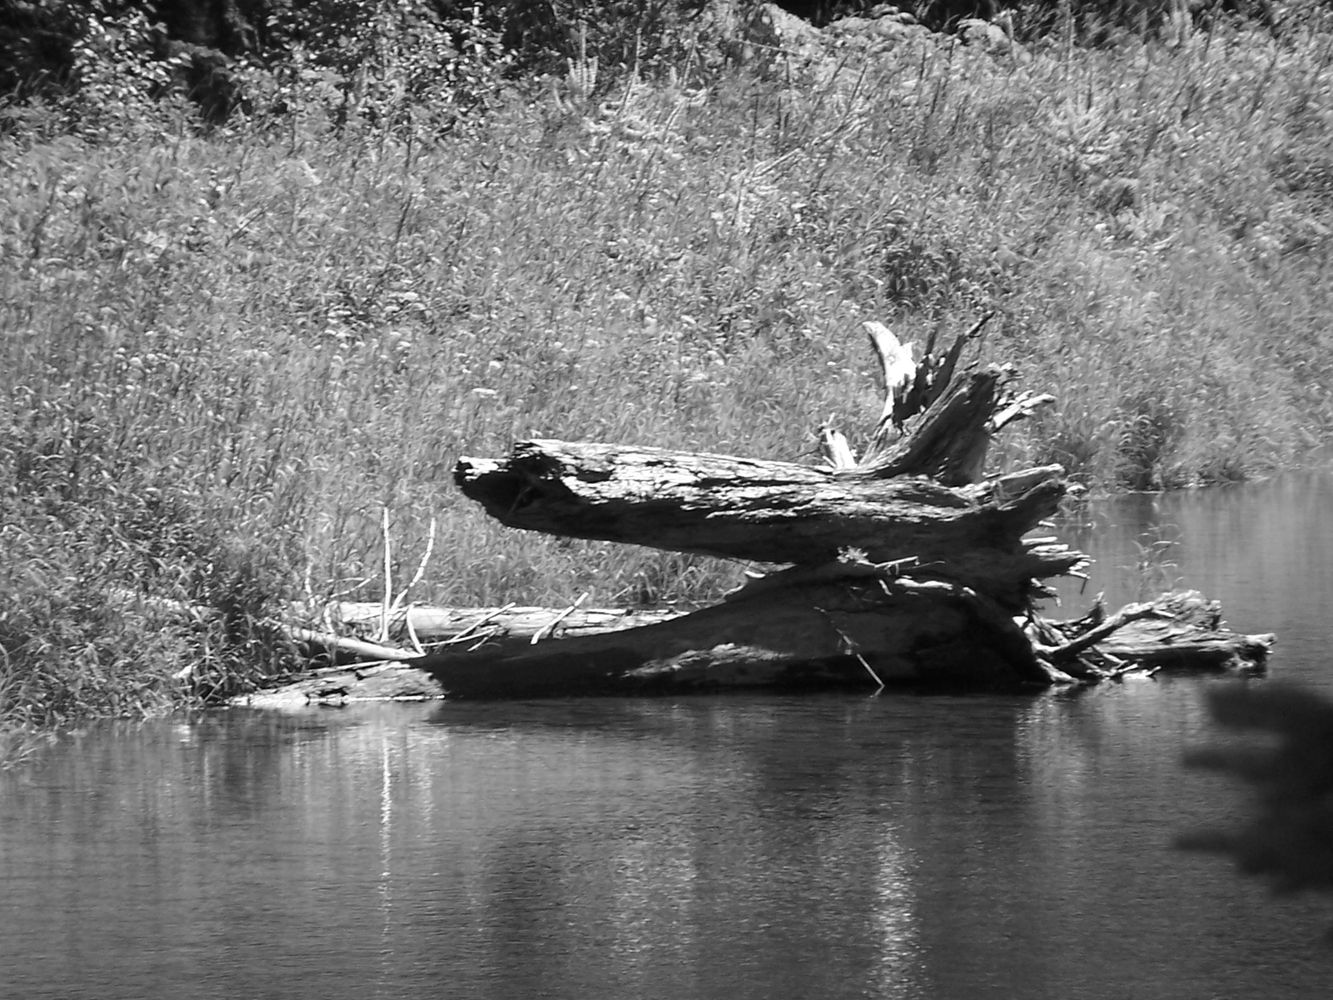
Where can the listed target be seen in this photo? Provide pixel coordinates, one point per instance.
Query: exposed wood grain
(768, 511)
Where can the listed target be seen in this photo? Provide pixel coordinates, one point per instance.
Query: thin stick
(1127, 614)
(550, 627)
(1020, 408)
(388, 578)
(465, 633)
(849, 646)
(879, 684)
(484, 639)
(337, 643)
(421, 567)
(411, 632)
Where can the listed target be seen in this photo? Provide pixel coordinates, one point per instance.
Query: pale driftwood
(906, 566)
(910, 387)
(462, 626)
(1070, 649)
(335, 645)
(898, 371)
(913, 495)
(837, 449)
(1163, 644)
(1021, 408)
(769, 511)
(378, 673)
(950, 443)
(1179, 630)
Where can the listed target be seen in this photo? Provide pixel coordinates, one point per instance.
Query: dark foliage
(1093, 21)
(201, 40)
(1098, 22)
(196, 47)
(36, 40)
(939, 15)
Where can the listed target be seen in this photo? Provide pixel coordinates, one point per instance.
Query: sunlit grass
(224, 355)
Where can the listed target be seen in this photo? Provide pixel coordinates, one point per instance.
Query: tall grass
(224, 354)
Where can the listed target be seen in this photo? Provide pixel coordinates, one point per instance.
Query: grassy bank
(223, 355)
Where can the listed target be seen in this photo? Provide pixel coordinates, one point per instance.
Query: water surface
(729, 847)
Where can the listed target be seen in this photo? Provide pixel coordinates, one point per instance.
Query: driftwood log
(501, 652)
(908, 565)
(777, 512)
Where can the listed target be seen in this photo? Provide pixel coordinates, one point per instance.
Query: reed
(225, 353)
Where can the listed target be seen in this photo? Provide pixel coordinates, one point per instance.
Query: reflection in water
(904, 847)
(898, 972)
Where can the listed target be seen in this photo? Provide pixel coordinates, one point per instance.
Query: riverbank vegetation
(228, 350)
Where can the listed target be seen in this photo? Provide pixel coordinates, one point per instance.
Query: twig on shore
(548, 628)
(421, 568)
(466, 633)
(336, 643)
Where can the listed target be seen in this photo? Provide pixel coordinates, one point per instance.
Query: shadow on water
(758, 846)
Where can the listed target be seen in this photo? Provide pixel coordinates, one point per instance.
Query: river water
(713, 847)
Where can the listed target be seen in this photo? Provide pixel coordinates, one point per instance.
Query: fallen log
(463, 628)
(819, 635)
(769, 511)
(907, 566)
(854, 630)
